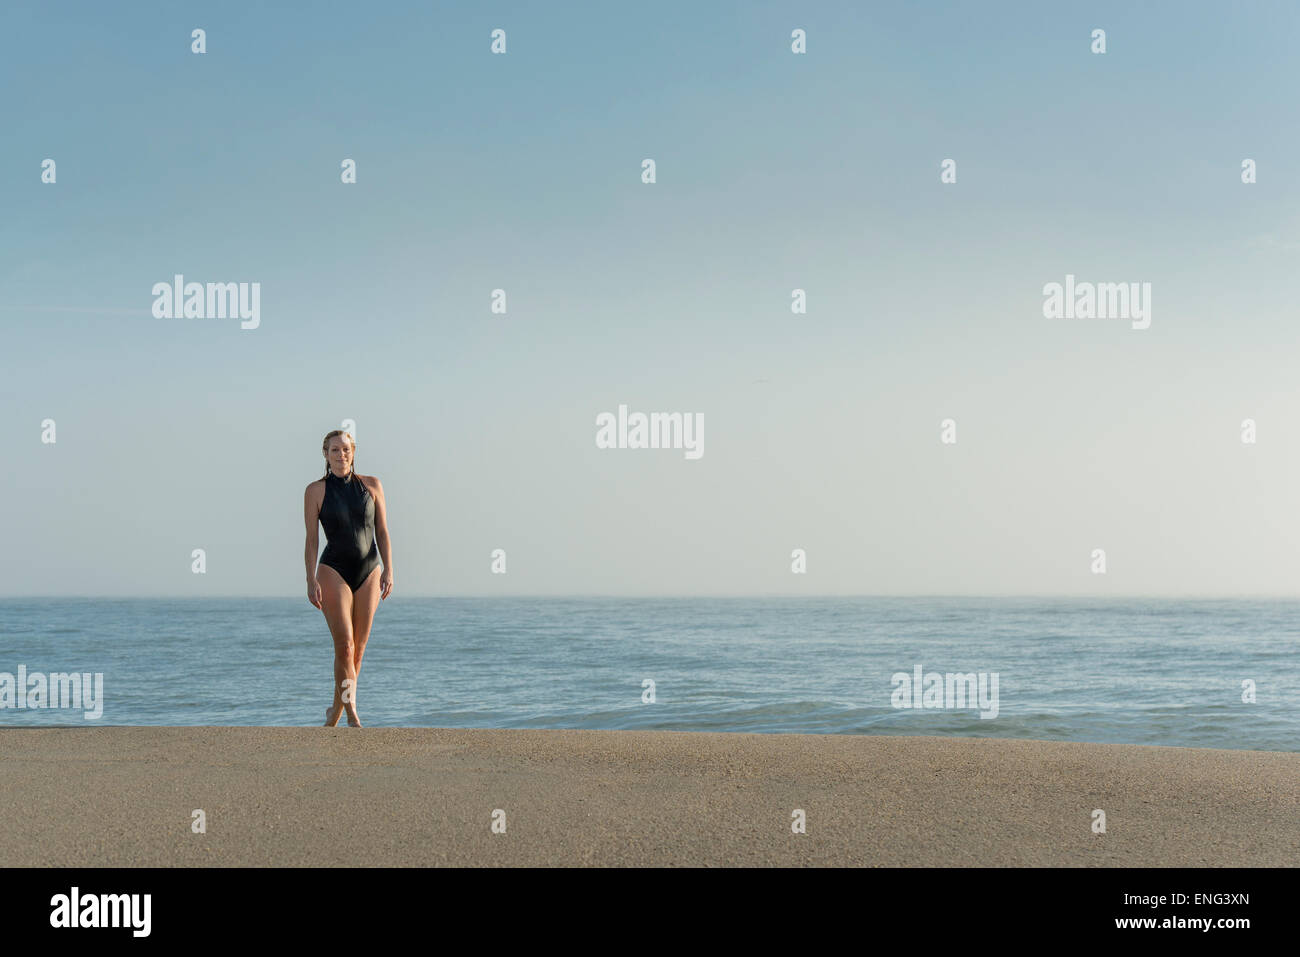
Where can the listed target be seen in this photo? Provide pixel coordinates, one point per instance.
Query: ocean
(1182, 672)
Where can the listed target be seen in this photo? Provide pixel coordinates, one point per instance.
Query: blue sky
(775, 171)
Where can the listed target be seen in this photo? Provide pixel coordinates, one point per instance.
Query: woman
(345, 586)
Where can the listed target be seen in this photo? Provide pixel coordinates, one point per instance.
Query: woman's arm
(381, 535)
(311, 515)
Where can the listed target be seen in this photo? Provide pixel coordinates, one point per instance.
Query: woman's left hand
(385, 584)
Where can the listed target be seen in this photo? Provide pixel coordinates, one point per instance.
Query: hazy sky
(775, 172)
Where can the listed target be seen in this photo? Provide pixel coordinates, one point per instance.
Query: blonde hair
(325, 449)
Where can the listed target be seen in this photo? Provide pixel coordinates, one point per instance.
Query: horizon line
(733, 595)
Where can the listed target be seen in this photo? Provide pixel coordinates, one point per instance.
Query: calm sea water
(1148, 671)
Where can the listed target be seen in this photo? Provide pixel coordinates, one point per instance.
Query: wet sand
(124, 796)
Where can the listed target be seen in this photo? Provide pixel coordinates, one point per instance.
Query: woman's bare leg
(364, 603)
(336, 598)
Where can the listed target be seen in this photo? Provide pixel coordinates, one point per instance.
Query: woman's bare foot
(332, 717)
(354, 720)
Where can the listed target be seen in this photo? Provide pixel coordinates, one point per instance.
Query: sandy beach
(124, 796)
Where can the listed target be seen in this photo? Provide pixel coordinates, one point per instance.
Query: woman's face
(340, 455)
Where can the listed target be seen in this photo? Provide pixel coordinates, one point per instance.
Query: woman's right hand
(313, 593)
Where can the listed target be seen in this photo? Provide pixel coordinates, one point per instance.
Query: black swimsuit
(348, 514)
